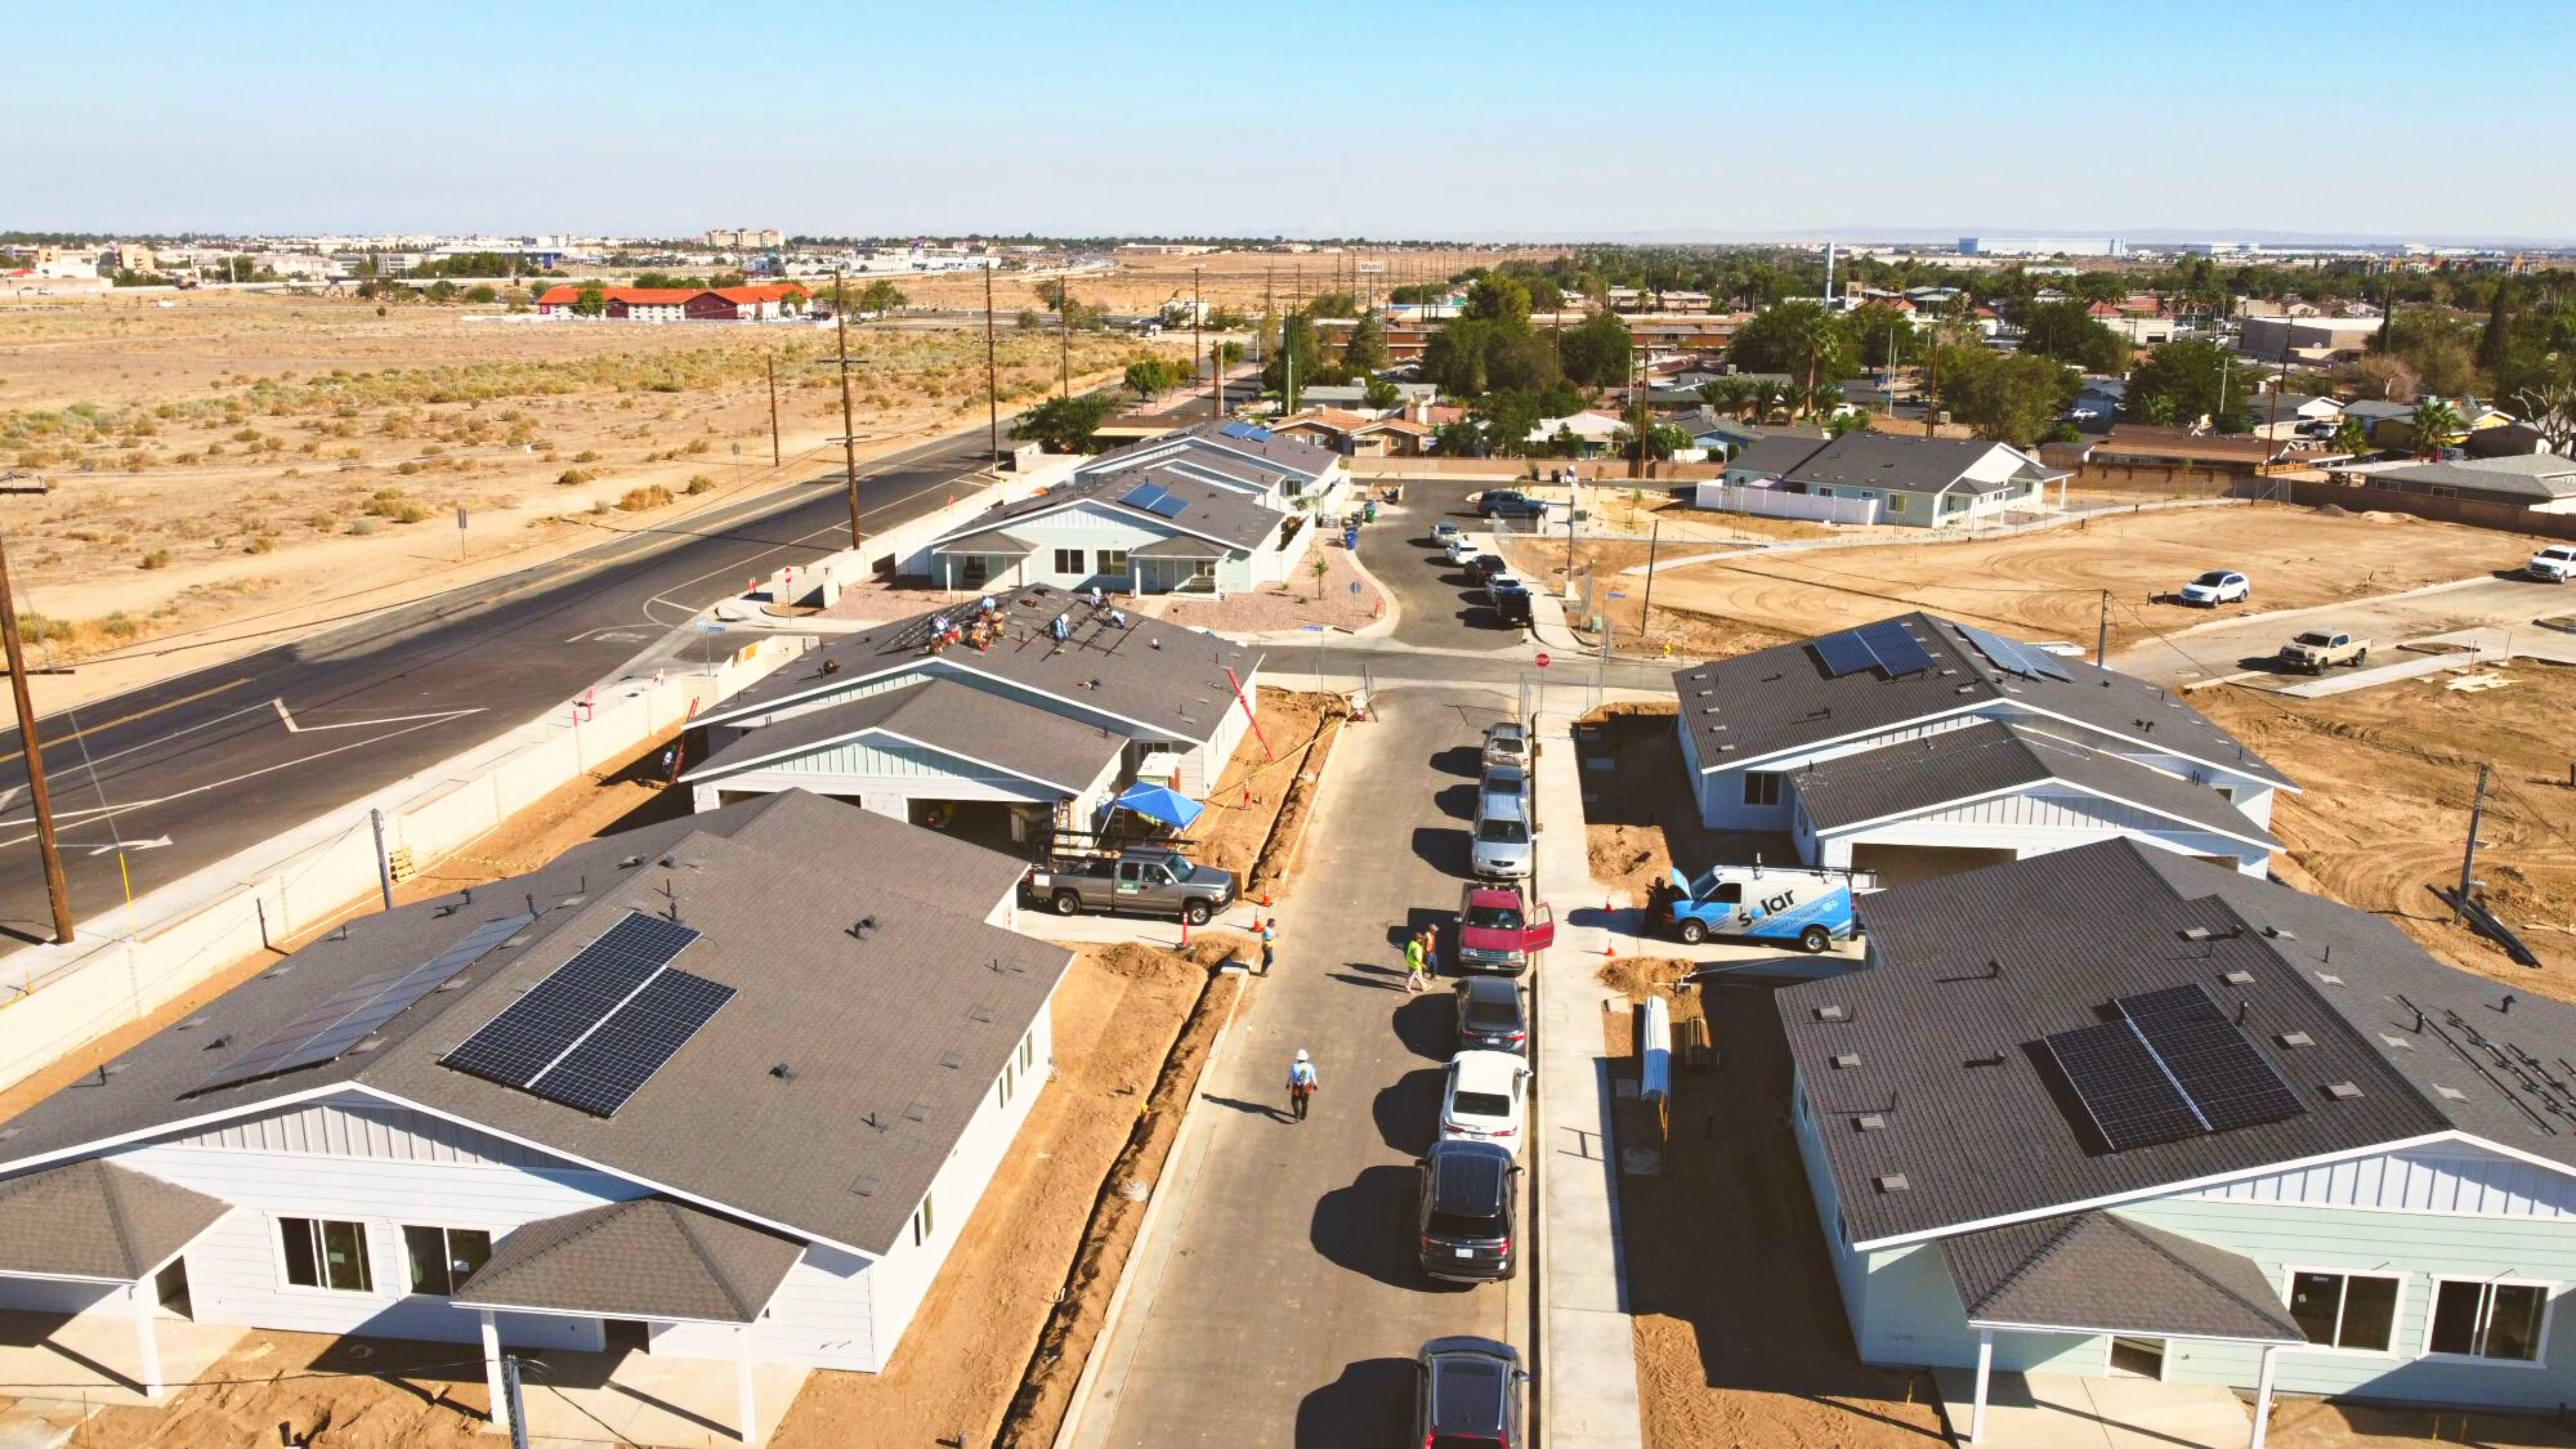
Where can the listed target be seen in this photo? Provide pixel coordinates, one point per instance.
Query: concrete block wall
(123, 973)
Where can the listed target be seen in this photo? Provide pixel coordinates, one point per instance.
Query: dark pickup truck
(1145, 881)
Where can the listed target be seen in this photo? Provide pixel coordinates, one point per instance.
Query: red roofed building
(682, 304)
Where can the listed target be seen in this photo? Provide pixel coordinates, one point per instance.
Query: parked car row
(1507, 592)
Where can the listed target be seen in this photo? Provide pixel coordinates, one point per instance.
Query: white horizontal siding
(362, 1127)
(820, 1317)
(2421, 1180)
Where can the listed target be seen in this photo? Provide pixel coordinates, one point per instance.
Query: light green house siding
(893, 760)
(2417, 1248)
(1914, 1317)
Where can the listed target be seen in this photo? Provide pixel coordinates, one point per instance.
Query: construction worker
(1431, 952)
(1415, 976)
(1301, 1084)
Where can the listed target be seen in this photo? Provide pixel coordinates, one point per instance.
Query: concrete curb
(2222, 621)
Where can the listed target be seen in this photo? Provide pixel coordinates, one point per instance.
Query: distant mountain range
(1949, 236)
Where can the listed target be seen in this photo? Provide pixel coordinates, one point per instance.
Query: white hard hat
(1301, 1054)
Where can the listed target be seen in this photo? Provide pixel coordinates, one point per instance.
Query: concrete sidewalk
(1587, 1356)
(2074, 1411)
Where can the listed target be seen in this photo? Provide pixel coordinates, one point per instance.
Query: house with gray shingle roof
(2116, 1111)
(733, 1081)
(1150, 529)
(1852, 755)
(1908, 482)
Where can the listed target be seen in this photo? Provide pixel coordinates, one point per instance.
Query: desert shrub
(361, 527)
(700, 483)
(574, 477)
(639, 499)
(158, 558)
(260, 543)
(586, 455)
(117, 626)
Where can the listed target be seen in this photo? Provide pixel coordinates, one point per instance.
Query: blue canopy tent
(1160, 804)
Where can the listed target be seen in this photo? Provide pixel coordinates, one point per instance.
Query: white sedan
(2218, 586)
(1484, 1098)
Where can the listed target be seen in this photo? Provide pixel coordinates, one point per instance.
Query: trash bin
(1350, 538)
(1368, 512)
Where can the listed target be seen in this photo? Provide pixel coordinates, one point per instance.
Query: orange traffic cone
(1265, 900)
(1610, 949)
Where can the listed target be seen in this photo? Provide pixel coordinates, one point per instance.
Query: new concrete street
(2234, 640)
(1288, 1308)
(222, 757)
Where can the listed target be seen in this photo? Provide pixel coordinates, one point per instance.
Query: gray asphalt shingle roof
(1988, 758)
(1942, 1039)
(1867, 459)
(650, 1257)
(1777, 453)
(992, 541)
(1779, 700)
(1172, 683)
(1212, 510)
(869, 1027)
(98, 1220)
(2540, 477)
(2109, 1273)
(946, 716)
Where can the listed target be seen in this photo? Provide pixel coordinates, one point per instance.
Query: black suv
(1491, 1015)
(1467, 1395)
(1470, 1194)
(1512, 602)
(1506, 503)
(1485, 565)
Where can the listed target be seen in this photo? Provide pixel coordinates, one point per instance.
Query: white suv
(1483, 1098)
(2555, 564)
(2218, 586)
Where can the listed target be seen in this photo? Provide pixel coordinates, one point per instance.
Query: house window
(1761, 787)
(975, 571)
(2487, 1320)
(2345, 1310)
(1028, 1051)
(1112, 561)
(1002, 1087)
(1068, 560)
(922, 1227)
(321, 1253)
(2225, 792)
(1896, 503)
(441, 1258)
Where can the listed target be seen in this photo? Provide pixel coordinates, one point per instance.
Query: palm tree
(2432, 423)
(2351, 438)
(1727, 394)
(1764, 397)
(1820, 395)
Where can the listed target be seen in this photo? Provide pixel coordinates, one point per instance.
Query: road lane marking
(126, 719)
(293, 728)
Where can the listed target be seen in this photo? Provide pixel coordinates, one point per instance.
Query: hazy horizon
(1439, 121)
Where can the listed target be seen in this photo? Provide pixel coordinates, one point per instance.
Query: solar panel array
(596, 1030)
(2172, 1066)
(1155, 498)
(330, 1029)
(1885, 646)
(2013, 657)
(1249, 432)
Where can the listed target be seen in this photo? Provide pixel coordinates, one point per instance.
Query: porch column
(2263, 1397)
(1985, 1370)
(742, 1364)
(146, 1340)
(492, 1372)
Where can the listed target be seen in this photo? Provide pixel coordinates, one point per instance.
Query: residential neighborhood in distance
(731, 753)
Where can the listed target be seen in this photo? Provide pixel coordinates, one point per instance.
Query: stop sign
(1542, 661)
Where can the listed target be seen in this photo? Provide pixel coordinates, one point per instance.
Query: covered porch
(106, 1242)
(1179, 564)
(643, 1268)
(2100, 1275)
(995, 558)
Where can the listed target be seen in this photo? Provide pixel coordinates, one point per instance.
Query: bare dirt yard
(1620, 599)
(215, 455)
(1639, 820)
(2048, 585)
(1237, 280)
(1702, 1378)
(2388, 775)
(1256, 815)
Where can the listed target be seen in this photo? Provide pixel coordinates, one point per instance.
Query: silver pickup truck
(1151, 882)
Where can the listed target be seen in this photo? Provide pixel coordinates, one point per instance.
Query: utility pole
(849, 427)
(1269, 311)
(1064, 329)
(38, 796)
(1637, 399)
(1197, 333)
(2102, 633)
(1646, 612)
(992, 374)
(770, 364)
(384, 862)
(2469, 856)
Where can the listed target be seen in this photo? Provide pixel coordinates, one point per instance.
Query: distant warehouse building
(2042, 246)
(681, 304)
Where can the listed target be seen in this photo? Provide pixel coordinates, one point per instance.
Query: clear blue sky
(1390, 119)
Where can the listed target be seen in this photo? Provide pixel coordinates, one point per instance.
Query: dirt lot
(1726, 1236)
(2048, 585)
(2388, 774)
(1638, 814)
(1252, 801)
(2313, 1424)
(235, 451)
(1229, 279)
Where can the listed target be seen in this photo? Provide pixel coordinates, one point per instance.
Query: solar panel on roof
(1236, 430)
(2013, 657)
(1168, 505)
(324, 1033)
(2126, 1092)
(529, 1035)
(614, 1062)
(1144, 495)
(2213, 1060)
(1898, 651)
(1844, 653)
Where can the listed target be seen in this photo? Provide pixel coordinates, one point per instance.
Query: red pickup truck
(1499, 929)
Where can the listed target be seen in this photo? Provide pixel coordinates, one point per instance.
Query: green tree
(482, 294)
(1881, 335)
(1597, 352)
(1662, 439)
(442, 290)
(1459, 439)
(1148, 376)
(590, 302)
(1366, 350)
(2010, 397)
(1728, 394)
(1063, 424)
(2200, 378)
(880, 297)
(1229, 353)
(1382, 395)
(1499, 299)
(2434, 425)
(1799, 338)
(1842, 423)
(2351, 438)
(2495, 345)
(2067, 332)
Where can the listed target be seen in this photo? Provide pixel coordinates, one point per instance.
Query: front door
(170, 1287)
(2137, 1358)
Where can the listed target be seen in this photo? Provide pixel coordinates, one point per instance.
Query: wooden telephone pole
(992, 373)
(770, 364)
(38, 795)
(849, 428)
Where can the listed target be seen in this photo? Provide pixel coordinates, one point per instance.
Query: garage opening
(1900, 864)
(993, 824)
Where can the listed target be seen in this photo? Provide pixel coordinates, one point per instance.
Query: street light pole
(849, 429)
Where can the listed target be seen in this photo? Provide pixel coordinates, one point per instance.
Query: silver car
(1506, 743)
(1501, 838)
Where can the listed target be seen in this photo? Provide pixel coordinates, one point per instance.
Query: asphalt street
(1291, 1307)
(186, 772)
